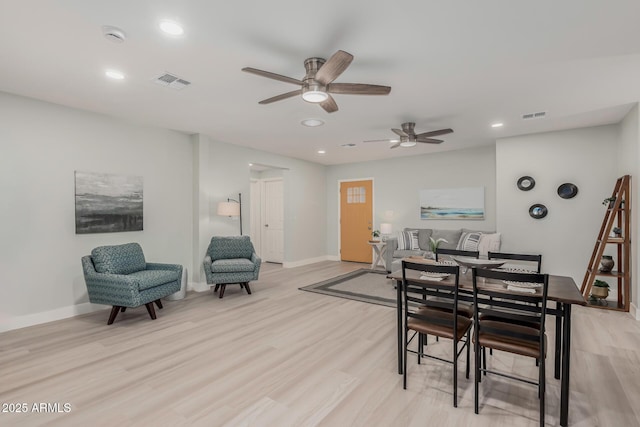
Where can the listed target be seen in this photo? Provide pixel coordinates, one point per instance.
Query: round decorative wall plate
(567, 190)
(526, 183)
(538, 211)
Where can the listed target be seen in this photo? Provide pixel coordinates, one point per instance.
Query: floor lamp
(231, 208)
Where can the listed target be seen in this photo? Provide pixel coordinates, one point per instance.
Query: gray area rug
(364, 285)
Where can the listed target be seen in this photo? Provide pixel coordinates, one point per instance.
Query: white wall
(224, 172)
(566, 236)
(41, 146)
(629, 164)
(397, 183)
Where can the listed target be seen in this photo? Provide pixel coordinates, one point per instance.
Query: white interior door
(256, 216)
(273, 221)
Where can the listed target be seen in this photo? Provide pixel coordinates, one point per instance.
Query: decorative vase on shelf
(606, 264)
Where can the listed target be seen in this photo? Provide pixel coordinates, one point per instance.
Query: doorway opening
(267, 211)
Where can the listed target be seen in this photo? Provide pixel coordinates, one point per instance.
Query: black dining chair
(431, 308)
(537, 259)
(514, 322)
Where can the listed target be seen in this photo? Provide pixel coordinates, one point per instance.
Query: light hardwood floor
(284, 357)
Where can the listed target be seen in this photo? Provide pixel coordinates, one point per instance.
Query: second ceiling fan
(409, 138)
(317, 84)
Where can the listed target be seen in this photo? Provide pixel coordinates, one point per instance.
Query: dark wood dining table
(562, 290)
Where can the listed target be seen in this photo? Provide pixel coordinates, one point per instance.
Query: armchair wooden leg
(159, 303)
(114, 312)
(151, 310)
(222, 288)
(123, 309)
(246, 286)
(216, 288)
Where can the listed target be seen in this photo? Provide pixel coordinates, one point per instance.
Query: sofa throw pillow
(408, 240)
(489, 243)
(469, 241)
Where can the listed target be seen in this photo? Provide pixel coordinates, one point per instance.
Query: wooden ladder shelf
(617, 215)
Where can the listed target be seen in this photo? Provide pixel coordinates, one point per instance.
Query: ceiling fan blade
(329, 105)
(428, 140)
(396, 145)
(273, 76)
(382, 140)
(436, 132)
(358, 89)
(334, 66)
(281, 97)
(400, 132)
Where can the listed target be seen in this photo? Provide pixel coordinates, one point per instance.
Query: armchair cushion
(149, 278)
(119, 259)
(232, 265)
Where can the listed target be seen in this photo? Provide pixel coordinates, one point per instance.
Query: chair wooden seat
(512, 344)
(464, 309)
(432, 327)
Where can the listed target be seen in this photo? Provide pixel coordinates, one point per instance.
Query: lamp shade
(229, 209)
(385, 228)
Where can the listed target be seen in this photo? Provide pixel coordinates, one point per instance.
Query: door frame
(373, 208)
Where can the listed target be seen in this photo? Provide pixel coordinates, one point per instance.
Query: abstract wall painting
(107, 203)
(452, 203)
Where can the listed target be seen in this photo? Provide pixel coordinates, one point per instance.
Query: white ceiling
(458, 64)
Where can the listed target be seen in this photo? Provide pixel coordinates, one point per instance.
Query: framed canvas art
(452, 203)
(107, 203)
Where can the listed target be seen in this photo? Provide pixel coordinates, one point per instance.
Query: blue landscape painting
(107, 203)
(452, 203)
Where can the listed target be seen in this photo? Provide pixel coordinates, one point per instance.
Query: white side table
(379, 249)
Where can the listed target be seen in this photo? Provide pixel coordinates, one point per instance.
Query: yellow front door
(356, 220)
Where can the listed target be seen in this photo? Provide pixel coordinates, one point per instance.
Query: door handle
(266, 225)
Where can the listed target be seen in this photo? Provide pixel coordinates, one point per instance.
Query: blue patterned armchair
(231, 260)
(119, 276)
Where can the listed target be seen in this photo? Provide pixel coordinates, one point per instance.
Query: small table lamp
(385, 230)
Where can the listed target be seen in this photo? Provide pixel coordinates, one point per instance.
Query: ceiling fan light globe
(315, 96)
(408, 144)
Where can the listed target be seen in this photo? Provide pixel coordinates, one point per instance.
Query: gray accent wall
(397, 183)
(42, 144)
(586, 157)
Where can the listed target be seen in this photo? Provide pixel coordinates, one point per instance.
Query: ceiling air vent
(171, 81)
(537, 115)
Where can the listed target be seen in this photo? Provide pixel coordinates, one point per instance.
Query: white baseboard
(17, 322)
(300, 263)
(198, 286)
(633, 310)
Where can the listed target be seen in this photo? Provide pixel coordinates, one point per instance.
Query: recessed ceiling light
(250, 164)
(114, 74)
(312, 122)
(321, 152)
(497, 125)
(171, 27)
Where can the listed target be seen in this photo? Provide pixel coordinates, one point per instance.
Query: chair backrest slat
(518, 257)
(454, 252)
